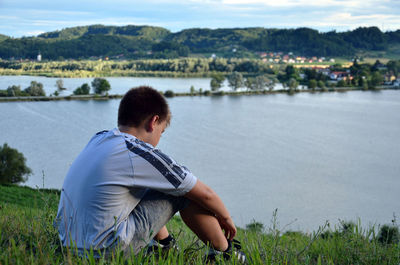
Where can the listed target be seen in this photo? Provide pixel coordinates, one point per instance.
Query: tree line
(146, 42)
(100, 86)
(182, 65)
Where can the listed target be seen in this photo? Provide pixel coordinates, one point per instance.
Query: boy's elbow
(201, 193)
(209, 195)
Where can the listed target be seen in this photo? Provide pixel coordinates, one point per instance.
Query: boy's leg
(205, 225)
(150, 217)
(156, 209)
(162, 234)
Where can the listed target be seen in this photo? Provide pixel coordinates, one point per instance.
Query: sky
(31, 17)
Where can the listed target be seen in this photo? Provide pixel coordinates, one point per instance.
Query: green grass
(27, 236)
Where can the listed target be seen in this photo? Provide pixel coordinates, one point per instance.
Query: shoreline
(207, 93)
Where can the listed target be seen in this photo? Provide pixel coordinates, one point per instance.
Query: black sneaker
(155, 247)
(234, 250)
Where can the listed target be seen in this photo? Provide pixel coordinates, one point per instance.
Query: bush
(321, 84)
(312, 84)
(12, 166)
(219, 93)
(256, 227)
(101, 86)
(347, 227)
(82, 90)
(169, 94)
(60, 85)
(14, 91)
(35, 89)
(389, 234)
(341, 83)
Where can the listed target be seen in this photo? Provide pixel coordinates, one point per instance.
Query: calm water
(119, 85)
(315, 157)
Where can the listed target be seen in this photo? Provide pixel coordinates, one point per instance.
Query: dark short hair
(142, 103)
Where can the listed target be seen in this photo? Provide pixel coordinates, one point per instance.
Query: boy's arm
(207, 198)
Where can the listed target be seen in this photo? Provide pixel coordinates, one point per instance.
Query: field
(27, 236)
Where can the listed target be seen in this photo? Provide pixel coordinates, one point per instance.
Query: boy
(121, 188)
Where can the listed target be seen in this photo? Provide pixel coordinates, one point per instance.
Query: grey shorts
(153, 212)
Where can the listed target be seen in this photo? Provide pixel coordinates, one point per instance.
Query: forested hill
(156, 42)
(145, 32)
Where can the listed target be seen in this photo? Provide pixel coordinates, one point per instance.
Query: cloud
(34, 33)
(280, 3)
(28, 16)
(353, 21)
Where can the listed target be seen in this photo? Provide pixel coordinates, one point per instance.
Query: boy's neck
(139, 132)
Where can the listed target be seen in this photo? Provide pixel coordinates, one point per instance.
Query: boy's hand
(228, 226)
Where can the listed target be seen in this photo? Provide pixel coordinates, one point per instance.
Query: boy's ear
(152, 123)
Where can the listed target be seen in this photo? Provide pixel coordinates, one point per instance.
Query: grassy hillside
(27, 236)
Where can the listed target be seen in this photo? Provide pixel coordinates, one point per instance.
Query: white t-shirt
(106, 182)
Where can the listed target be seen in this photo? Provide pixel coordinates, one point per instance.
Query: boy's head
(141, 104)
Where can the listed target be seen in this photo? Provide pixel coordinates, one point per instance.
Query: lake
(315, 157)
(119, 85)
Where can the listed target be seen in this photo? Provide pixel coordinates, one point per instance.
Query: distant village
(280, 57)
(323, 65)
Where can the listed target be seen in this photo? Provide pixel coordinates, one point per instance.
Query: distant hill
(146, 32)
(156, 42)
(3, 37)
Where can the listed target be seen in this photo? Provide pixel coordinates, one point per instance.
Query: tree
(365, 84)
(192, 90)
(215, 86)
(271, 83)
(82, 90)
(393, 66)
(12, 165)
(14, 91)
(216, 81)
(100, 85)
(321, 84)
(35, 89)
(250, 83)
(260, 82)
(376, 79)
(290, 70)
(312, 84)
(341, 83)
(292, 84)
(169, 94)
(60, 85)
(235, 80)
